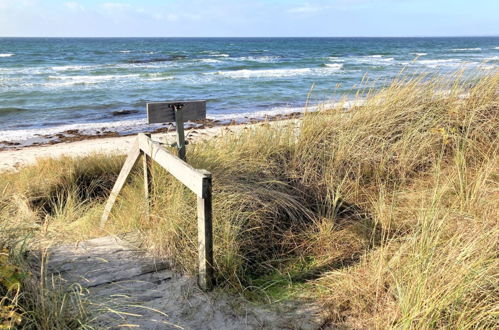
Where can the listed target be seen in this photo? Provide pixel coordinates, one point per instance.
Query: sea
(50, 86)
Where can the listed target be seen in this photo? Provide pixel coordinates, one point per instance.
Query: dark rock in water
(72, 131)
(124, 112)
(10, 143)
(157, 59)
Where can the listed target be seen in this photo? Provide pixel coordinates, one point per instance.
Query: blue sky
(241, 18)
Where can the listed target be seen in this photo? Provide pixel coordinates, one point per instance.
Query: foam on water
(454, 62)
(208, 60)
(160, 78)
(259, 59)
(334, 65)
(74, 67)
(466, 49)
(374, 60)
(6, 55)
(276, 73)
(85, 80)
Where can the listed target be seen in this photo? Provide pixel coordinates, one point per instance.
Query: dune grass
(386, 213)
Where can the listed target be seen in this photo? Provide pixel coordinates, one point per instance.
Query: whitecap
(245, 73)
(209, 60)
(6, 55)
(441, 62)
(160, 78)
(85, 80)
(220, 55)
(277, 73)
(374, 59)
(337, 66)
(125, 51)
(259, 59)
(466, 49)
(419, 54)
(71, 67)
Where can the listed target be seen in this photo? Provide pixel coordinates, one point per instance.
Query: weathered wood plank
(185, 173)
(179, 122)
(147, 167)
(130, 161)
(205, 238)
(160, 112)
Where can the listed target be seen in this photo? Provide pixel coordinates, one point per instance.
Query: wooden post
(179, 125)
(147, 165)
(130, 161)
(205, 240)
(198, 181)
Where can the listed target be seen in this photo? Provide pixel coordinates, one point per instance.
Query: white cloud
(4, 4)
(115, 6)
(74, 6)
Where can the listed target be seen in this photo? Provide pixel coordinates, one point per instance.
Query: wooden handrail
(198, 181)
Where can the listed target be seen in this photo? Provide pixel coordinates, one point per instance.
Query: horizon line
(260, 37)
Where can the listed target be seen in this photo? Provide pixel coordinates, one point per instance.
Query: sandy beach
(10, 159)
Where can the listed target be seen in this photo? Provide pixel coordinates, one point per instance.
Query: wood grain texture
(185, 173)
(205, 237)
(130, 161)
(147, 168)
(160, 112)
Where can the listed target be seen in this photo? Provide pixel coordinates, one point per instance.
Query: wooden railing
(198, 181)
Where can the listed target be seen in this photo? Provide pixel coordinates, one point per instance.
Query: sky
(248, 18)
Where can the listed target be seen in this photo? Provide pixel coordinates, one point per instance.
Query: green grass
(386, 213)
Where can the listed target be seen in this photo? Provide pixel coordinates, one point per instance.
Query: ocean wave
(85, 80)
(419, 54)
(466, 49)
(274, 111)
(373, 60)
(6, 55)
(334, 65)
(259, 59)
(496, 48)
(218, 55)
(275, 73)
(73, 67)
(160, 78)
(11, 110)
(125, 51)
(208, 60)
(335, 59)
(245, 73)
(441, 62)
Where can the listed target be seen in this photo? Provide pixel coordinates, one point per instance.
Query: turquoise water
(52, 85)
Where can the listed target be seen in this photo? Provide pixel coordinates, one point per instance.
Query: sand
(11, 160)
(128, 286)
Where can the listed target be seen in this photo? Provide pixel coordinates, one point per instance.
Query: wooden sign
(164, 112)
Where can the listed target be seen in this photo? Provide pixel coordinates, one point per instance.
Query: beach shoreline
(73, 135)
(15, 157)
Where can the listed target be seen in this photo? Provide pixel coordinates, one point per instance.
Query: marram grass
(386, 212)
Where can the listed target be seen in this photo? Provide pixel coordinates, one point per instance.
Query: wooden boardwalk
(130, 289)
